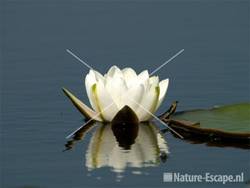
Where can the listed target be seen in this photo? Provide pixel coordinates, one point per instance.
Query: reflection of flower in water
(122, 143)
(142, 146)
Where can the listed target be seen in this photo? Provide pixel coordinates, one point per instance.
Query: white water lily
(109, 93)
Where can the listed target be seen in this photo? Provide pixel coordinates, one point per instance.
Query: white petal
(151, 82)
(130, 77)
(116, 87)
(91, 77)
(98, 76)
(154, 80)
(90, 80)
(104, 101)
(163, 90)
(114, 71)
(144, 74)
(148, 104)
(143, 77)
(133, 96)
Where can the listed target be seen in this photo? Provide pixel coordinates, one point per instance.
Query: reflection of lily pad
(227, 124)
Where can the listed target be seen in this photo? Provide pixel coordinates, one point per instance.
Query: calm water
(36, 116)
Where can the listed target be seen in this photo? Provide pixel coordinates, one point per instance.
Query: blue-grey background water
(36, 116)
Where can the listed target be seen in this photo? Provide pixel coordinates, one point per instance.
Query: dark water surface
(36, 116)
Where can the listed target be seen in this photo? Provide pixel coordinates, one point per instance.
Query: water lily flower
(109, 93)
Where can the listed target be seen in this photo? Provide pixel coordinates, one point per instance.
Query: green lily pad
(231, 118)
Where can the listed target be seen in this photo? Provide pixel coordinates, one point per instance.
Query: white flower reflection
(104, 150)
(119, 147)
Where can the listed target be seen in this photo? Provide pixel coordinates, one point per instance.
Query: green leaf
(231, 118)
(83, 108)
